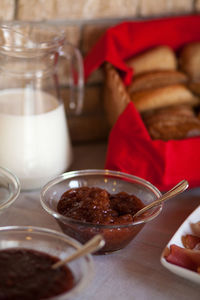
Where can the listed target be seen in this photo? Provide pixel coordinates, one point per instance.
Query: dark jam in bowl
(27, 274)
(97, 206)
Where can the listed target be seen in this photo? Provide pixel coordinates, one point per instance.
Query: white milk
(34, 137)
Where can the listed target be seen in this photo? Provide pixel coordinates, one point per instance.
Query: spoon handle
(177, 189)
(92, 245)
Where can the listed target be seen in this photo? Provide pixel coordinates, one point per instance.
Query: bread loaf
(157, 58)
(189, 60)
(175, 122)
(163, 97)
(155, 79)
(184, 110)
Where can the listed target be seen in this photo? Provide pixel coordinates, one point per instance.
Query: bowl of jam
(27, 255)
(90, 202)
(9, 188)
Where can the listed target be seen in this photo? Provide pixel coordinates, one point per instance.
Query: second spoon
(177, 189)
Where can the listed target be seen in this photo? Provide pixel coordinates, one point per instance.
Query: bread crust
(189, 60)
(176, 122)
(157, 58)
(174, 129)
(162, 97)
(155, 79)
(181, 110)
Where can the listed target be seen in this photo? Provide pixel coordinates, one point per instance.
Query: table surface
(134, 272)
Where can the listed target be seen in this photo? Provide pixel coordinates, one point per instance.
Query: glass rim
(88, 260)
(117, 174)
(16, 184)
(37, 229)
(57, 40)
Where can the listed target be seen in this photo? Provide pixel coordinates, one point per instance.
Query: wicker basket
(116, 96)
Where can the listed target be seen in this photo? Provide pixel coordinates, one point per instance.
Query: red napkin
(129, 38)
(130, 148)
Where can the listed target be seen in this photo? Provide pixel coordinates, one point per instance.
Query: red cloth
(130, 148)
(129, 38)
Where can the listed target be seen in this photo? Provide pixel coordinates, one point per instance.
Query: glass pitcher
(34, 137)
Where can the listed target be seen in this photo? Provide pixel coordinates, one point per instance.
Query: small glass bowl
(52, 243)
(9, 188)
(116, 236)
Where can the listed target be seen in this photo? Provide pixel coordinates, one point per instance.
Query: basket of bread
(165, 89)
(152, 98)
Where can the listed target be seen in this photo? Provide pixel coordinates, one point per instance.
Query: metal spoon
(177, 189)
(91, 246)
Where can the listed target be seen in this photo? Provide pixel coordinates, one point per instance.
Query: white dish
(176, 239)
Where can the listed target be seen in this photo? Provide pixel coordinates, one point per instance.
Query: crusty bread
(175, 122)
(157, 58)
(162, 97)
(189, 60)
(174, 129)
(184, 110)
(155, 79)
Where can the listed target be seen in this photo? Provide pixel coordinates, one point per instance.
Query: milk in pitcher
(34, 137)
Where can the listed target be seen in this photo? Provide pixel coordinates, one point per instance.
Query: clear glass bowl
(53, 243)
(116, 236)
(9, 188)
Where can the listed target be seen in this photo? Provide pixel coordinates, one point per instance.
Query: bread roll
(157, 58)
(162, 97)
(184, 110)
(189, 60)
(176, 122)
(156, 79)
(174, 129)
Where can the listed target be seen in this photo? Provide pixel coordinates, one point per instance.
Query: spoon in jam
(94, 244)
(177, 189)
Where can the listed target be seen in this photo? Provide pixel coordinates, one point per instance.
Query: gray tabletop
(134, 272)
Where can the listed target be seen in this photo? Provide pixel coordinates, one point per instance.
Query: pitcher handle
(76, 77)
